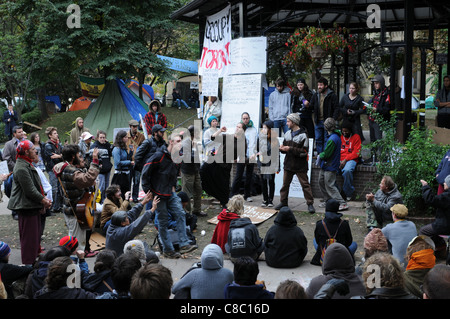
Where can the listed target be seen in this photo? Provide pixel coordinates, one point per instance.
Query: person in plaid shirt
(154, 116)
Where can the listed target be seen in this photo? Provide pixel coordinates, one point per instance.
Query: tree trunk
(42, 104)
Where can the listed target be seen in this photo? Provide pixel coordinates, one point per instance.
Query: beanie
(70, 242)
(269, 124)
(332, 206)
(294, 117)
(135, 247)
(118, 217)
(4, 250)
(330, 124)
(447, 181)
(211, 118)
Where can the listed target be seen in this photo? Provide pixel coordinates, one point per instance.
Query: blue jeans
(179, 102)
(136, 176)
(281, 124)
(347, 174)
(103, 184)
(172, 204)
(56, 192)
(352, 248)
(321, 136)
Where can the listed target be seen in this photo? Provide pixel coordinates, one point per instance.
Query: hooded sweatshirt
(208, 281)
(337, 264)
(279, 104)
(243, 239)
(285, 244)
(220, 235)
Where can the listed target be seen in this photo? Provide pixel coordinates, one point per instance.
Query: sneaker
(311, 209)
(270, 204)
(172, 254)
(343, 206)
(249, 199)
(323, 205)
(200, 214)
(90, 254)
(280, 205)
(264, 204)
(188, 248)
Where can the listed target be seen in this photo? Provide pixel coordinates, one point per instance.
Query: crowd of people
(90, 169)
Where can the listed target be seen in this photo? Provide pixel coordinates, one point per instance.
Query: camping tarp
(115, 106)
(148, 94)
(81, 103)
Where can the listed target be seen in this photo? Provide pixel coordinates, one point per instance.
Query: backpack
(7, 184)
(329, 241)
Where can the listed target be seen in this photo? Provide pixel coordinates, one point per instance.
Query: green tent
(114, 108)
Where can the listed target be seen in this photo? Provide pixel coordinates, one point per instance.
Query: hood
(212, 257)
(240, 222)
(225, 215)
(285, 218)
(338, 261)
(333, 217)
(59, 168)
(157, 103)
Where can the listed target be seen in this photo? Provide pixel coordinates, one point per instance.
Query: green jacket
(26, 193)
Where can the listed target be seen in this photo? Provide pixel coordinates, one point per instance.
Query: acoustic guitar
(84, 212)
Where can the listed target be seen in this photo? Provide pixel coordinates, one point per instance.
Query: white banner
(215, 54)
(248, 55)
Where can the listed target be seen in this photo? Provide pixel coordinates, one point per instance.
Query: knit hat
(118, 217)
(400, 210)
(4, 250)
(301, 80)
(269, 124)
(332, 206)
(137, 248)
(294, 118)
(447, 180)
(211, 118)
(330, 124)
(375, 241)
(70, 242)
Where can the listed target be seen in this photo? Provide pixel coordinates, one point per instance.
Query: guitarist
(76, 180)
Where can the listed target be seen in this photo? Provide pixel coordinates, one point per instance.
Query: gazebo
(260, 17)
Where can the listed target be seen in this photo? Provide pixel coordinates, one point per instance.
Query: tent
(148, 94)
(114, 108)
(81, 103)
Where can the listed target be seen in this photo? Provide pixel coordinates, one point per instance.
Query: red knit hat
(69, 242)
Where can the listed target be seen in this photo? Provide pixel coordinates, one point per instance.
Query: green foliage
(33, 117)
(408, 163)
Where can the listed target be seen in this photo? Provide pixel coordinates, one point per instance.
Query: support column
(409, 40)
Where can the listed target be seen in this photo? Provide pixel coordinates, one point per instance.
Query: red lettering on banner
(215, 59)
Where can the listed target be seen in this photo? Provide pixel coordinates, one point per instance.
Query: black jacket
(104, 156)
(159, 175)
(146, 150)
(442, 204)
(243, 238)
(285, 244)
(330, 105)
(49, 149)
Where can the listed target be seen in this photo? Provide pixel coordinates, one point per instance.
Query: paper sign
(248, 55)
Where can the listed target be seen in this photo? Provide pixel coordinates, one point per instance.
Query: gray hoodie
(208, 281)
(279, 104)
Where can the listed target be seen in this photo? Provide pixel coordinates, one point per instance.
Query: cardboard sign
(256, 214)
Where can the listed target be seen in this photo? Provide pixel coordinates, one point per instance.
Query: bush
(408, 163)
(33, 117)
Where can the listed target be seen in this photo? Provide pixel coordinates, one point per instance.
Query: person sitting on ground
(436, 284)
(100, 280)
(126, 226)
(58, 285)
(373, 242)
(71, 243)
(141, 250)
(235, 207)
(389, 283)
(420, 258)
(122, 272)
(290, 289)
(285, 243)
(245, 284)
(10, 273)
(338, 263)
(243, 239)
(399, 233)
(208, 280)
(378, 206)
(153, 281)
(441, 224)
(112, 204)
(332, 226)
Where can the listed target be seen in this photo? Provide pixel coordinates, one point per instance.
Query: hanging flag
(91, 87)
(216, 43)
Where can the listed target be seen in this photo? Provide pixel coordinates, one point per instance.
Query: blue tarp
(133, 105)
(54, 99)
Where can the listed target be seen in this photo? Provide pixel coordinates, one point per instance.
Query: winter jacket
(149, 147)
(337, 264)
(334, 223)
(358, 109)
(399, 235)
(118, 236)
(109, 208)
(220, 235)
(10, 273)
(50, 148)
(330, 106)
(387, 293)
(243, 239)
(441, 202)
(443, 169)
(331, 156)
(381, 102)
(152, 118)
(27, 191)
(279, 104)
(95, 282)
(208, 281)
(257, 291)
(122, 159)
(351, 149)
(160, 174)
(64, 293)
(296, 159)
(285, 243)
(383, 202)
(104, 156)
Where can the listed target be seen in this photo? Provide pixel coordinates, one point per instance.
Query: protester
(329, 162)
(443, 171)
(399, 233)
(338, 263)
(53, 156)
(151, 281)
(76, 132)
(213, 107)
(373, 242)
(104, 153)
(350, 154)
(378, 206)
(245, 284)
(381, 105)
(280, 105)
(301, 103)
(442, 102)
(178, 100)
(10, 119)
(112, 204)
(351, 107)
(436, 284)
(235, 207)
(135, 139)
(123, 162)
(290, 289)
(100, 280)
(154, 117)
(208, 280)
(285, 244)
(295, 146)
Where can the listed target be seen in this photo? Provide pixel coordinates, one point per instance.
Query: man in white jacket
(280, 105)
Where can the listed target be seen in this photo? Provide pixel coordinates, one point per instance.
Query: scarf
(423, 259)
(22, 148)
